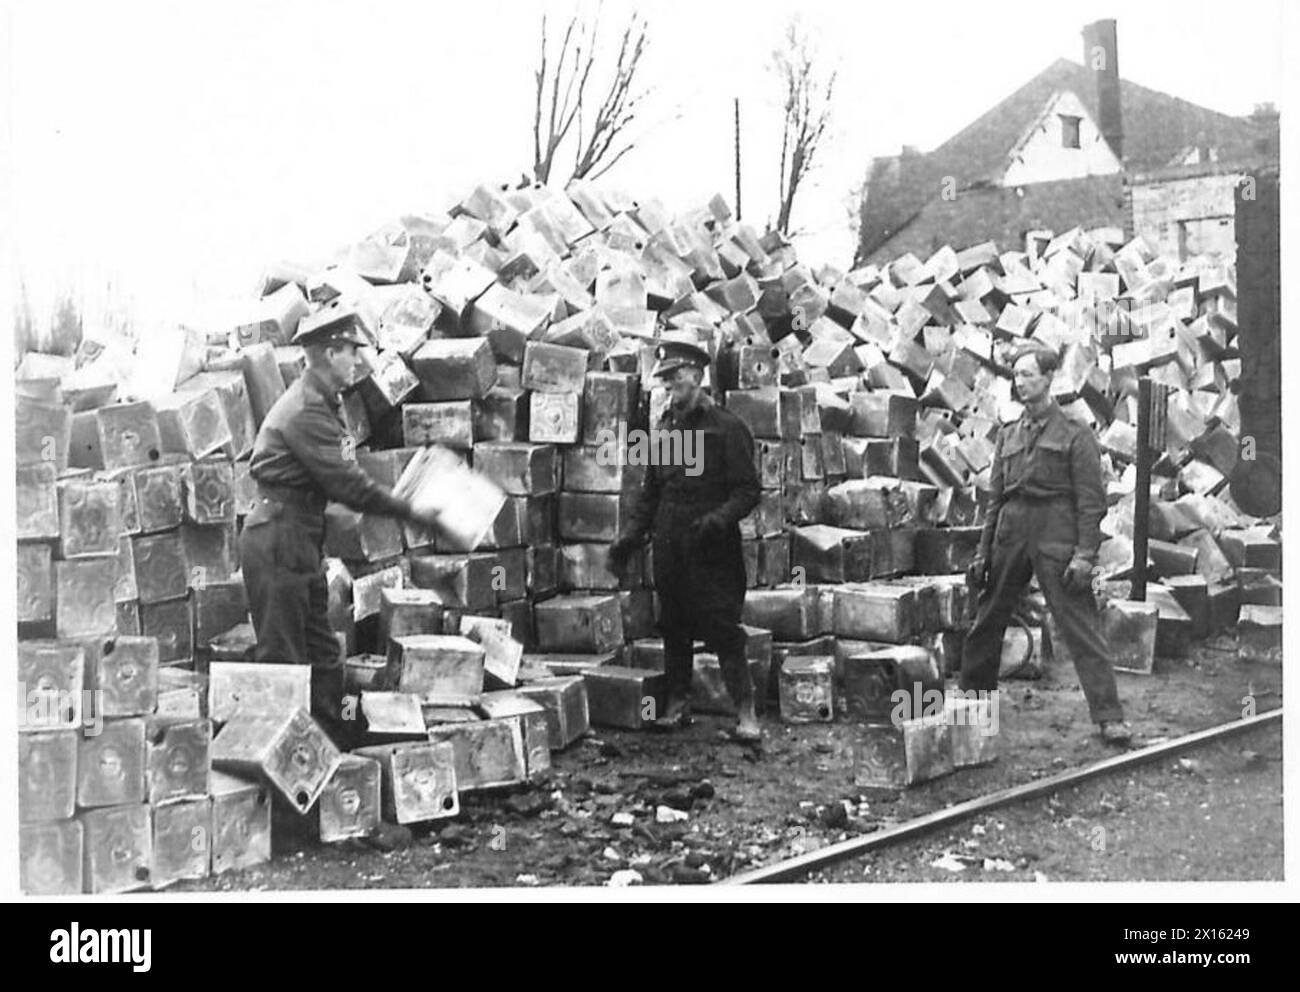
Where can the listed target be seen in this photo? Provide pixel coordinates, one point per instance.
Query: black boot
(740, 685)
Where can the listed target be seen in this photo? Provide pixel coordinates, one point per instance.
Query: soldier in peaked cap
(302, 459)
(694, 512)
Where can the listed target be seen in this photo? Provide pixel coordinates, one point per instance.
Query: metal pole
(1142, 495)
(737, 107)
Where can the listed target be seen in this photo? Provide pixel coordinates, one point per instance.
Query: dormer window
(1069, 130)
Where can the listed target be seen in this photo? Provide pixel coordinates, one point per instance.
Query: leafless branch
(543, 161)
(807, 109)
(594, 147)
(609, 164)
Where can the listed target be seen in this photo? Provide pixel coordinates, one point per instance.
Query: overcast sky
(177, 147)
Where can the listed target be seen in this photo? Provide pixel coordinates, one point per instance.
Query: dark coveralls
(1046, 507)
(301, 459)
(701, 581)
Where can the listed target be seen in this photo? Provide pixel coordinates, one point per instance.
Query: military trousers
(284, 576)
(701, 589)
(1017, 554)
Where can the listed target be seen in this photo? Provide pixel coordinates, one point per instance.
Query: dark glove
(619, 553)
(1077, 576)
(977, 573)
(710, 527)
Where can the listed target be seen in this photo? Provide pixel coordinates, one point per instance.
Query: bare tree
(56, 328)
(24, 323)
(852, 205)
(808, 93)
(570, 100)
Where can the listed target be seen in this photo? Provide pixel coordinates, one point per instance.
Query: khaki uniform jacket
(1055, 463)
(302, 445)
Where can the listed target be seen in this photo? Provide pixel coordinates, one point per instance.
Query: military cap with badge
(334, 323)
(673, 355)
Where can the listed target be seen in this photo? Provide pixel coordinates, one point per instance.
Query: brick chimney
(1101, 58)
(1268, 123)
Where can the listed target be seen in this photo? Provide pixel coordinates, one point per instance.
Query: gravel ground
(1212, 813)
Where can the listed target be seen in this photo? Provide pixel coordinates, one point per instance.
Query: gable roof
(1157, 127)
(1053, 105)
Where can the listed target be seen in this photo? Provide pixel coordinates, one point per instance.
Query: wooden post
(1257, 482)
(737, 105)
(1142, 494)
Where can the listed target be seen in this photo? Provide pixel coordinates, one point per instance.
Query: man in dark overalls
(302, 458)
(1044, 518)
(695, 512)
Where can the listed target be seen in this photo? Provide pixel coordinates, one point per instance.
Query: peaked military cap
(672, 355)
(334, 323)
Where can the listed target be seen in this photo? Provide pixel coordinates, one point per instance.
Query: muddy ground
(1213, 813)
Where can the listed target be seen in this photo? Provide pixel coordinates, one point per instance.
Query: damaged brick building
(1075, 145)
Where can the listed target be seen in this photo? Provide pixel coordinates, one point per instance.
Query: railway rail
(794, 868)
